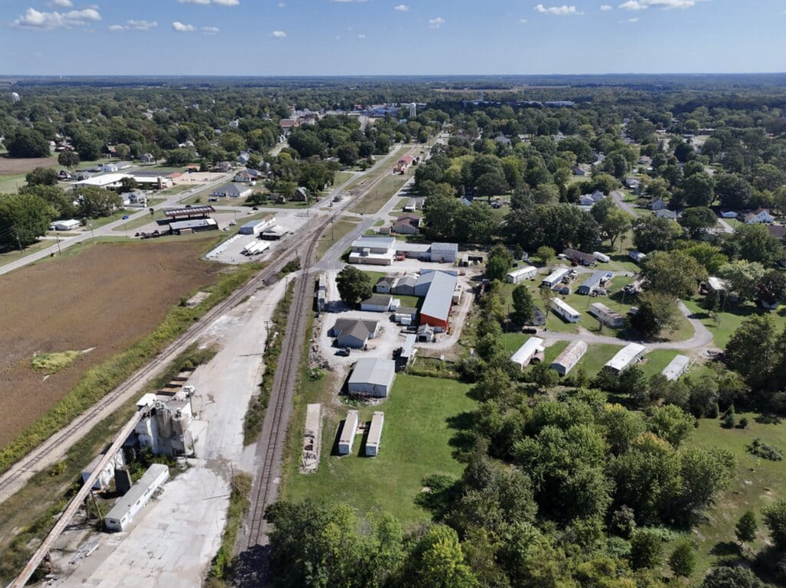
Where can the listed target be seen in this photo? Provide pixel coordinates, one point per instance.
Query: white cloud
(282, 4)
(664, 4)
(348, 1)
(523, 20)
(362, 37)
(180, 27)
(213, 2)
(210, 31)
(635, 19)
(47, 21)
(279, 34)
(401, 7)
(62, 3)
(134, 25)
(605, 7)
(563, 10)
(436, 23)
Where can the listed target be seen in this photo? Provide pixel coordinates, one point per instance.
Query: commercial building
(135, 499)
(188, 213)
(439, 299)
(426, 279)
(568, 359)
(523, 273)
(165, 425)
(592, 283)
(532, 350)
(555, 278)
(375, 434)
(379, 303)
(405, 286)
(564, 310)
(373, 251)
(354, 333)
(444, 252)
(677, 367)
(255, 227)
(607, 316)
(232, 190)
(347, 438)
(372, 377)
(65, 225)
(626, 357)
(193, 226)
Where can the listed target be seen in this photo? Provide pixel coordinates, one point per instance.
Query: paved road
(701, 339)
(726, 227)
(619, 201)
(108, 229)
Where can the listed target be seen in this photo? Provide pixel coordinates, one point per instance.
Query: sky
(390, 37)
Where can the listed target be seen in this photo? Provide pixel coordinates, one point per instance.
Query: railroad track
(282, 391)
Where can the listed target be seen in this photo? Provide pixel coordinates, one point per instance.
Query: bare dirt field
(10, 166)
(104, 299)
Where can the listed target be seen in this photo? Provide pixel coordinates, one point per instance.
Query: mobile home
(568, 359)
(567, 312)
(555, 278)
(531, 351)
(626, 357)
(606, 315)
(375, 434)
(347, 438)
(677, 367)
(523, 273)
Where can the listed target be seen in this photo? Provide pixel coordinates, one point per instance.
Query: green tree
(59, 199)
(523, 305)
(69, 159)
(491, 184)
(94, 202)
(24, 218)
(616, 224)
(682, 560)
(671, 424)
(438, 561)
(353, 285)
(731, 577)
(499, 263)
(651, 233)
(733, 191)
(645, 549)
(673, 273)
(697, 221)
(743, 278)
(771, 287)
(27, 143)
(708, 256)
(746, 527)
(757, 245)
(751, 350)
(656, 312)
(42, 176)
(775, 520)
(545, 254)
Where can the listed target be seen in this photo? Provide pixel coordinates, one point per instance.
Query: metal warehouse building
(372, 377)
(568, 359)
(135, 499)
(629, 355)
(439, 299)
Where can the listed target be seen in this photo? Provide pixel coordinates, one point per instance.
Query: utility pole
(18, 239)
(57, 235)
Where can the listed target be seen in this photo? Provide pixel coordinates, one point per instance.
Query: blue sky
(343, 37)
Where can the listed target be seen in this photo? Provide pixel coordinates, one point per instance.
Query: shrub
(764, 450)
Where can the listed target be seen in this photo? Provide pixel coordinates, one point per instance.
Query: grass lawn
(731, 319)
(758, 483)
(176, 189)
(105, 220)
(11, 184)
(409, 301)
(380, 194)
(14, 254)
(140, 222)
(512, 342)
(331, 236)
(342, 177)
(596, 357)
(657, 360)
(420, 422)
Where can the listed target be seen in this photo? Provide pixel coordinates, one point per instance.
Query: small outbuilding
(135, 499)
(379, 303)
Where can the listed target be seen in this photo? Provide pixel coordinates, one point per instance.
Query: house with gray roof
(354, 333)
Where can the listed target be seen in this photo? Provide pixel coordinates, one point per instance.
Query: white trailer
(523, 273)
(601, 257)
(606, 315)
(677, 367)
(532, 350)
(568, 359)
(555, 278)
(626, 357)
(348, 431)
(564, 310)
(135, 499)
(375, 434)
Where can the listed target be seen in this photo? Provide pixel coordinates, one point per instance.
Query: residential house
(354, 333)
(578, 257)
(758, 217)
(243, 158)
(406, 224)
(580, 170)
(300, 195)
(532, 350)
(658, 204)
(568, 359)
(668, 214)
(246, 176)
(777, 231)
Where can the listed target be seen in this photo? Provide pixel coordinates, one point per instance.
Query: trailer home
(523, 273)
(564, 310)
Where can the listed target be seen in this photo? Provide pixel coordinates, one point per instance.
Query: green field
(11, 184)
(758, 483)
(380, 194)
(731, 319)
(140, 222)
(416, 442)
(378, 169)
(334, 234)
(15, 254)
(512, 342)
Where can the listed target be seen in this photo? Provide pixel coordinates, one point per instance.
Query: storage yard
(55, 307)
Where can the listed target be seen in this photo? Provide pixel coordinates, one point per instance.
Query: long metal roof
(439, 297)
(376, 371)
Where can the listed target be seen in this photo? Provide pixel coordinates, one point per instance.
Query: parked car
(344, 352)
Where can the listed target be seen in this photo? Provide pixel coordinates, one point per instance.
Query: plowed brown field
(106, 298)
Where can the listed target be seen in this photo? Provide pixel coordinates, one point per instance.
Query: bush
(645, 549)
(764, 450)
